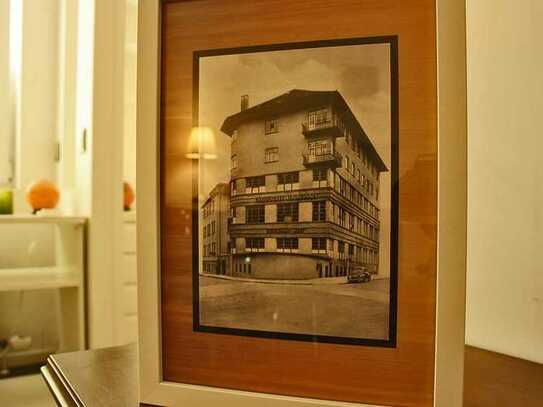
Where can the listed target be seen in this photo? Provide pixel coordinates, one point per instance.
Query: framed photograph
(298, 240)
(302, 199)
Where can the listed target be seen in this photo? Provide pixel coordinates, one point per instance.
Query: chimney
(244, 102)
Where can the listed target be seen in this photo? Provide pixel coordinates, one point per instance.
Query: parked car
(359, 275)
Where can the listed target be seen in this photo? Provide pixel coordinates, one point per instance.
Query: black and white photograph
(297, 148)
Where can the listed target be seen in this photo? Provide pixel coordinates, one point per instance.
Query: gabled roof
(298, 99)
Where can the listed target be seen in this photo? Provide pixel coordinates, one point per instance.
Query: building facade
(214, 231)
(304, 189)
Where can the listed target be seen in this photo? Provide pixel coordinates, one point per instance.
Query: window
(287, 212)
(342, 187)
(351, 221)
(255, 214)
(271, 155)
(271, 126)
(351, 250)
(320, 174)
(213, 227)
(318, 118)
(255, 184)
(287, 244)
(234, 162)
(213, 249)
(341, 249)
(254, 244)
(318, 148)
(320, 177)
(288, 181)
(319, 211)
(342, 216)
(318, 245)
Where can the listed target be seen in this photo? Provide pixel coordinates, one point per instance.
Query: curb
(316, 281)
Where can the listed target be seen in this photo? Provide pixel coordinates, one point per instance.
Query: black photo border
(391, 342)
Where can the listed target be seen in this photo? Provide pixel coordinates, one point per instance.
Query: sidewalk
(315, 281)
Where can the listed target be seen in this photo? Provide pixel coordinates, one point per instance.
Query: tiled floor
(25, 391)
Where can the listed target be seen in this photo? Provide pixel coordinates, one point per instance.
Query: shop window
(287, 244)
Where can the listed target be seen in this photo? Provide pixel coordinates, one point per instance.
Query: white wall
(505, 177)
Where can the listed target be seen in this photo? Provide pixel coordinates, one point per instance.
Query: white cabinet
(66, 276)
(126, 307)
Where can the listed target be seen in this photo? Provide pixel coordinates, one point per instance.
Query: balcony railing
(334, 126)
(331, 159)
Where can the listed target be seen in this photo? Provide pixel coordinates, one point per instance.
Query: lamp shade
(202, 144)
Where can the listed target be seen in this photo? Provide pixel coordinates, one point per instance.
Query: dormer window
(271, 126)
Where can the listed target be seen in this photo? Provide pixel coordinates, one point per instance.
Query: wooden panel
(402, 376)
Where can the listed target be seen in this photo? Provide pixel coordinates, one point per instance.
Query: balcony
(332, 127)
(326, 160)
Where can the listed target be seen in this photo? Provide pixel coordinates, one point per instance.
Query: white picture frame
(452, 196)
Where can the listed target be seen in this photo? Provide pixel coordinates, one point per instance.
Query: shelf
(54, 219)
(38, 278)
(31, 352)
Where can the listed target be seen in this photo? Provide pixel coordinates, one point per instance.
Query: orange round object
(42, 195)
(129, 196)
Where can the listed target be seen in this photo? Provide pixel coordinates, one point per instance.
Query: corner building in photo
(304, 189)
